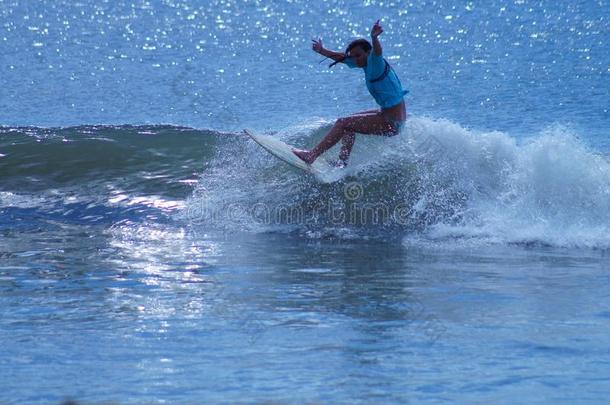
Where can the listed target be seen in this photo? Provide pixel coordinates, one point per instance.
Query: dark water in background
(149, 252)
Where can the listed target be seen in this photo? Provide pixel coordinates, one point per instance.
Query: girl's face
(359, 56)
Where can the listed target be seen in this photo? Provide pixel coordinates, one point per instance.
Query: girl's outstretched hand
(317, 45)
(376, 30)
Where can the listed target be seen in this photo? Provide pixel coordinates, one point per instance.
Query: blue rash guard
(381, 80)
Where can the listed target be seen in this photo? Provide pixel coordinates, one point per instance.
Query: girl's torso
(396, 113)
(384, 85)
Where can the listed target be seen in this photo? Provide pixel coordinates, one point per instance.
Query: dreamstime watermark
(352, 209)
(228, 303)
(353, 191)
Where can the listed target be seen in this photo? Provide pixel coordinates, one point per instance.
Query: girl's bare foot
(304, 155)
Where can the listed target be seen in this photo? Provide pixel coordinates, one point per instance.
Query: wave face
(100, 173)
(436, 183)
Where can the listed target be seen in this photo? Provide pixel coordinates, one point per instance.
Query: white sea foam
(450, 185)
(550, 188)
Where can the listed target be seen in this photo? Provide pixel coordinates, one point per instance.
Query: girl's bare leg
(347, 143)
(370, 124)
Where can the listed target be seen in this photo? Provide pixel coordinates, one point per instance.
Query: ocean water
(150, 252)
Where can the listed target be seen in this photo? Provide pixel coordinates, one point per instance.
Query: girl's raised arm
(319, 48)
(375, 32)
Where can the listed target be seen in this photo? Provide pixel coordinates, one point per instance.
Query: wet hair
(362, 43)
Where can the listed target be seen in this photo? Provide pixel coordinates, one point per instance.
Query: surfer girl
(384, 86)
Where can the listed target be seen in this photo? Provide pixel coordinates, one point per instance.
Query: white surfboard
(320, 168)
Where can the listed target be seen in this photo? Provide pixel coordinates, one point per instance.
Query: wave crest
(437, 182)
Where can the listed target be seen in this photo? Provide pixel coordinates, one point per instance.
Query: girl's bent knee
(342, 122)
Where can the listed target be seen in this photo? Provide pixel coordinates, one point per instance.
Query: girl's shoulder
(375, 65)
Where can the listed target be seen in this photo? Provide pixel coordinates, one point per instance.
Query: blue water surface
(151, 253)
(515, 66)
